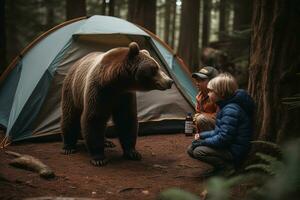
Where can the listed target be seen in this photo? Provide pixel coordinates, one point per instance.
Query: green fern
(219, 188)
(271, 145)
(266, 147)
(283, 184)
(176, 194)
(273, 161)
(292, 102)
(272, 166)
(286, 183)
(263, 167)
(242, 35)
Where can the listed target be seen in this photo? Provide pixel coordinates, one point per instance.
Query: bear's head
(148, 73)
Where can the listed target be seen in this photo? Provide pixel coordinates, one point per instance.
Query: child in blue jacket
(229, 143)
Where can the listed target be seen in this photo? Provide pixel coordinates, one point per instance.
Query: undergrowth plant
(270, 177)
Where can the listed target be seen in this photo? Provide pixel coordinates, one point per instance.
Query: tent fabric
(30, 95)
(7, 93)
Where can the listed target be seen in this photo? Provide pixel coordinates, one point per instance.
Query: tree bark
(2, 36)
(167, 21)
(75, 8)
(274, 62)
(174, 17)
(143, 13)
(242, 14)
(223, 19)
(12, 39)
(206, 22)
(50, 14)
(189, 33)
(103, 7)
(111, 8)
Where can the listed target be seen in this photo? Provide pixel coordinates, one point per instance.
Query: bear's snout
(163, 82)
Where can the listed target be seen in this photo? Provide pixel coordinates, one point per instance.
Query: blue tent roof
(108, 25)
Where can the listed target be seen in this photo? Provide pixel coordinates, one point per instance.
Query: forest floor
(165, 164)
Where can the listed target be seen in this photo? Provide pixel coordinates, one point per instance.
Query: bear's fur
(101, 85)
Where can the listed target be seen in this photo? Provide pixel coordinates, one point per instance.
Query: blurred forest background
(201, 32)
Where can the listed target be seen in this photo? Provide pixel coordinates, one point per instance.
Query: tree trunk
(50, 14)
(2, 36)
(274, 62)
(242, 14)
(167, 21)
(143, 13)
(103, 7)
(12, 40)
(189, 33)
(223, 20)
(75, 8)
(174, 17)
(206, 22)
(111, 8)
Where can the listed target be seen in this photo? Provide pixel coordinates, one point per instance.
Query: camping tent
(30, 88)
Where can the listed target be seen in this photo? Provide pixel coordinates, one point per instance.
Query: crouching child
(228, 144)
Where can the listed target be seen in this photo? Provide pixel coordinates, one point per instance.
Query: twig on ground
(30, 163)
(129, 189)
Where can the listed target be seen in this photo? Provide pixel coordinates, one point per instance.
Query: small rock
(146, 192)
(160, 166)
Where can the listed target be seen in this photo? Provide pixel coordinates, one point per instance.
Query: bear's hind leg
(125, 119)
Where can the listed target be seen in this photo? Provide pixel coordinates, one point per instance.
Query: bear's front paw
(132, 155)
(99, 162)
(68, 150)
(109, 144)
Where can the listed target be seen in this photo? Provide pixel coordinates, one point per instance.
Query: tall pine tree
(188, 48)
(75, 8)
(143, 13)
(274, 62)
(2, 36)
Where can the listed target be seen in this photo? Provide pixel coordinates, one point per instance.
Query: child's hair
(224, 85)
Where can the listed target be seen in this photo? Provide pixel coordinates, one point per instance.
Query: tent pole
(5, 142)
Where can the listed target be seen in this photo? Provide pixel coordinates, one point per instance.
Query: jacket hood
(243, 99)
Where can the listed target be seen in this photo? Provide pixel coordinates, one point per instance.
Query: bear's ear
(145, 52)
(134, 49)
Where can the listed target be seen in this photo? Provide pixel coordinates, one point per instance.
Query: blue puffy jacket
(234, 126)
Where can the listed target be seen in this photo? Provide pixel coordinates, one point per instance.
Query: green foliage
(242, 34)
(176, 194)
(292, 102)
(264, 167)
(283, 183)
(266, 147)
(271, 145)
(282, 180)
(219, 188)
(272, 166)
(286, 182)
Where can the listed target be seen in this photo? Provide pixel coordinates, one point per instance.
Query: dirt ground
(165, 164)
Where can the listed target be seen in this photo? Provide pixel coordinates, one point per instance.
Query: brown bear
(101, 85)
